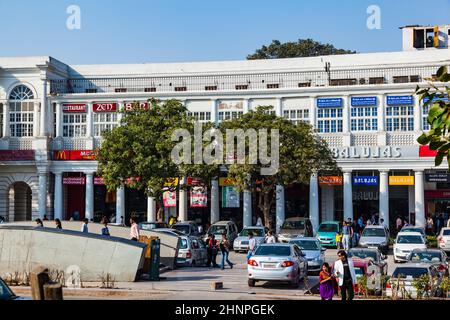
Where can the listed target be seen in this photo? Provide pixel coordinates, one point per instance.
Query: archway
(20, 202)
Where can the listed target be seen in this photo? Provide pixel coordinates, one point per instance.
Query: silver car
(192, 252)
(241, 242)
(277, 262)
(221, 227)
(313, 250)
(375, 237)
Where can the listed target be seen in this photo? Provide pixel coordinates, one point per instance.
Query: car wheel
(251, 282)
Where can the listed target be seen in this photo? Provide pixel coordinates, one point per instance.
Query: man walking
(251, 245)
(84, 226)
(346, 236)
(344, 271)
(134, 232)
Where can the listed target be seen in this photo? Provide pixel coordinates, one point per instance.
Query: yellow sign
(171, 182)
(226, 182)
(401, 180)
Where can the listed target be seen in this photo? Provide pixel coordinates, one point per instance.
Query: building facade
(363, 105)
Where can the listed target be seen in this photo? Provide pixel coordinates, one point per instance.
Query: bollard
(53, 291)
(38, 278)
(216, 285)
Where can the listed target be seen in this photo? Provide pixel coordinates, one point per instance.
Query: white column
(417, 114)
(411, 199)
(58, 201)
(348, 196)
(215, 213)
(312, 112)
(246, 106)
(36, 120)
(214, 115)
(247, 209)
(279, 107)
(42, 200)
(43, 124)
(58, 120)
(89, 120)
(89, 211)
(279, 207)
(381, 113)
(314, 201)
(345, 115)
(182, 201)
(419, 198)
(120, 205)
(151, 209)
(384, 195)
(6, 128)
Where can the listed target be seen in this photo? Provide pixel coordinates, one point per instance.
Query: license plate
(244, 242)
(269, 265)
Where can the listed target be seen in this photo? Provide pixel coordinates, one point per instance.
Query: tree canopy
(301, 48)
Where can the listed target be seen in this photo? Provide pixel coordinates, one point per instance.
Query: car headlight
(362, 243)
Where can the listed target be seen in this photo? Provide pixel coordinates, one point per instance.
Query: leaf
(442, 70)
(439, 158)
(424, 139)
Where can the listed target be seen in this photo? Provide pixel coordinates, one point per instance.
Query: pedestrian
(200, 229)
(211, 251)
(84, 226)
(45, 217)
(105, 229)
(259, 222)
(225, 250)
(326, 280)
(346, 236)
(270, 238)
(172, 220)
(134, 231)
(251, 245)
(360, 224)
(441, 222)
(398, 224)
(344, 271)
(429, 226)
(338, 240)
(58, 224)
(39, 223)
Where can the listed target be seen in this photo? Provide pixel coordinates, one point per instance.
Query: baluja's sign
(401, 180)
(105, 107)
(331, 180)
(128, 106)
(365, 181)
(74, 107)
(375, 152)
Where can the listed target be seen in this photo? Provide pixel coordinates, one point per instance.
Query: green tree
(436, 97)
(301, 48)
(301, 152)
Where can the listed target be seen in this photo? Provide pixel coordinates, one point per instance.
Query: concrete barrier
(169, 243)
(24, 248)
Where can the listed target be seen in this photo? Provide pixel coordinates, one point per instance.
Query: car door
(302, 262)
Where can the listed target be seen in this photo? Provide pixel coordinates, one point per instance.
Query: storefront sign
(401, 180)
(375, 152)
(199, 197)
(400, 100)
(365, 181)
(231, 105)
(171, 182)
(170, 199)
(230, 197)
(128, 106)
(425, 152)
(98, 181)
(74, 107)
(331, 180)
(437, 177)
(365, 195)
(17, 155)
(437, 194)
(74, 155)
(74, 181)
(194, 182)
(226, 182)
(329, 103)
(364, 101)
(436, 99)
(105, 107)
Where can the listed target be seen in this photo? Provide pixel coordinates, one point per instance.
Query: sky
(138, 31)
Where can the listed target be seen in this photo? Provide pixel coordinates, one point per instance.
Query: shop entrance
(20, 202)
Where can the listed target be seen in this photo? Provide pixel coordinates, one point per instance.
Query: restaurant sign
(74, 107)
(105, 107)
(74, 155)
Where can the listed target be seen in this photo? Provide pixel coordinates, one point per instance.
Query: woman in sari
(326, 283)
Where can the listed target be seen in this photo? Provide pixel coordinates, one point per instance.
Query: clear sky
(135, 31)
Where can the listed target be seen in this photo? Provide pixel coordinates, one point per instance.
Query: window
(228, 115)
(425, 124)
(273, 86)
(304, 84)
(210, 88)
(201, 116)
(21, 112)
(364, 119)
(104, 122)
(180, 89)
(329, 120)
(297, 115)
(343, 82)
(242, 87)
(152, 89)
(118, 90)
(400, 118)
(91, 90)
(74, 125)
(401, 79)
(376, 80)
(419, 39)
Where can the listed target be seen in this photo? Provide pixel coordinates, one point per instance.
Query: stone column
(151, 209)
(42, 200)
(36, 120)
(314, 201)
(312, 112)
(348, 195)
(417, 114)
(58, 201)
(247, 219)
(43, 118)
(279, 107)
(58, 120)
(411, 199)
(89, 211)
(215, 213)
(214, 115)
(183, 203)
(381, 113)
(384, 196)
(280, 213)
(6, 128)
(89, 121)
(120, 205)
(419, 198)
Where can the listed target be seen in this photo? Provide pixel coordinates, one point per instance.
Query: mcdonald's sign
(74, 155)
(61, 155)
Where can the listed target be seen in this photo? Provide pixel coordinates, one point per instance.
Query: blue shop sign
(364, 101)
(365, 181)
(435, 99)
(329, 103)
(400, 100)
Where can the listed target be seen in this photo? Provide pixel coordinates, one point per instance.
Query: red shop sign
(437, 194)
(74, 181)
(424, 152)
(98, 181)
(74, 155)
(17, 155)
(194, 182)
(131, 105)
(74, 107)
(105, 107)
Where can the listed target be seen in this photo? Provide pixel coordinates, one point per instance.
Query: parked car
(403, 277)
(375, 255)
(405, 243)
(150, 226)
(375, 237)
(313, 250)
(435, 257)
(6, 293)
(170, 231)
(218, 228)
(241, 242)
(444, 239)
(295, 227)
(277, 262)
(415, 229)
(327, 233)
(189, 228)
(192, 252)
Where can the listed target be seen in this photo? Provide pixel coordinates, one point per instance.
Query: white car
(405, 243)
(444, 239)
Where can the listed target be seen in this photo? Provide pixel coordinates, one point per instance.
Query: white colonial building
(363, 105)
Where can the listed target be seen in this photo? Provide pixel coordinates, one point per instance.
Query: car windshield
(405, 272)
(184, 228)
(413, 230)
(183, 244)
(217, 229)
(446, 233)
(373, 232)
(328, 227)
(5, 292)
(294, 225)
(306, 245)
(410, 239)
(363, 254)
(278, 251)
(427, 256)
(256, 232)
